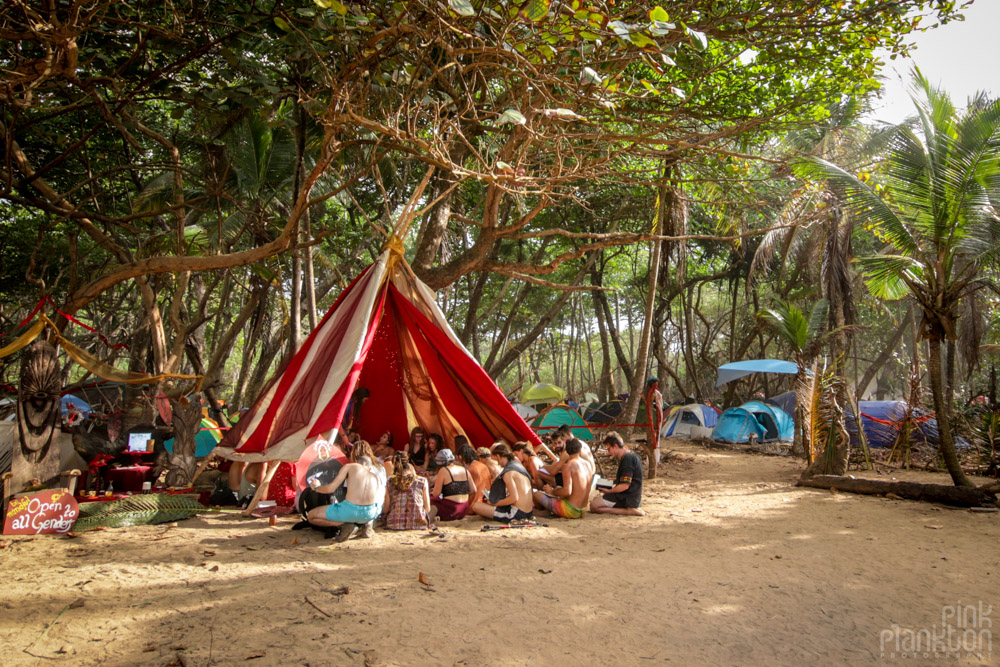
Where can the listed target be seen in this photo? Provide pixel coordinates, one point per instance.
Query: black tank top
(454, 488)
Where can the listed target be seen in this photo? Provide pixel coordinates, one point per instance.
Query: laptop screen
(137, 441)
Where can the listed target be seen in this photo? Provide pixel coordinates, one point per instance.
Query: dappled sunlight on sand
(733, 565)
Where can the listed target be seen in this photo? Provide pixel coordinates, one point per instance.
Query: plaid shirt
(406, 511)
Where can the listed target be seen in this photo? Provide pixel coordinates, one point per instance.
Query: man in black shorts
(626, 495)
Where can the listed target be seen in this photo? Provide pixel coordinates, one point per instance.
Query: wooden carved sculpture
(38, 410)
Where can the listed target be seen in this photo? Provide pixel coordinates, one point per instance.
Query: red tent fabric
(385, 333)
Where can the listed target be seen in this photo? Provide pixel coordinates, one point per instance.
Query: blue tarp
(768, 422)
(879, 434)
(737, 369)
(873, 414)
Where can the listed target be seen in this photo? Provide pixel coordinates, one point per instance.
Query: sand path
(733, 566)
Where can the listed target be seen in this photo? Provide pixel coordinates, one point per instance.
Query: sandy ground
(733, 566)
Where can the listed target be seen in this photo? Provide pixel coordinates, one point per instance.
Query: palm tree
(805, 336)
(942, 178)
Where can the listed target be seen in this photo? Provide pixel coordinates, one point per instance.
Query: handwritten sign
(42, 513)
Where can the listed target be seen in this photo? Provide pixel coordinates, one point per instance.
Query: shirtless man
(567, 501)
(551, 473)
(510, 493)
(365, 481)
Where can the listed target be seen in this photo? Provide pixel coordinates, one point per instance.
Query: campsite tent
(384, 333)
(605, 413)
(542, 394)
(785, 401)
(208, 436)
(768, 422)
(556, 415)
(883, 419)
(526, 411)
(683, 417)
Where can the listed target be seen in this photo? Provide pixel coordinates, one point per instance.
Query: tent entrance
(767, 422)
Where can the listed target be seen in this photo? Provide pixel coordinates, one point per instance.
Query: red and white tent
(385, 333)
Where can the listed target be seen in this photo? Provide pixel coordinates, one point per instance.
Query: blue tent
(785, 401)
(768, 422)
(605, 413)
(77, 404)
(683, 417)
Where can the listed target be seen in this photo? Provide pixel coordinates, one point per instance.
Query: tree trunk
(597, 279)
(639, 371)
(606, 383)
(310, 276)
(507, 358)
(181, 463)
(946, 439)
(887, 352)
(960, 496)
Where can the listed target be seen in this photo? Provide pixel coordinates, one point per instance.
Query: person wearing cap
(654, 416)
(453, 486)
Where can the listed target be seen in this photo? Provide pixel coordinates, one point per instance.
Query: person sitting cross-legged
(453, 486)
(408, 499)
(510, 493)
(626, 495)
(365, 480)
(567, 501)
(552, 473)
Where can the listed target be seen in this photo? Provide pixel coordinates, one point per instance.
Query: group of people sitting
(428, 482)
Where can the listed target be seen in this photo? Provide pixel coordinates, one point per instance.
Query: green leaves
(890, 277)
(698, 39)
(511, 116)
(140, 510)
(792, 325)
(535, 10)
(462, 7)
(332, 4)
(589, 76)
(658, 14)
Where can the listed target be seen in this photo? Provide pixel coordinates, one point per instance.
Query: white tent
(685, 419)
(526, 411)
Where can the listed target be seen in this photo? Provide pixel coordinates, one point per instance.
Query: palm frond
(890, 277)
(862, 202)
(789, 323)
(817, 318)
(137, 511)
(779, 239)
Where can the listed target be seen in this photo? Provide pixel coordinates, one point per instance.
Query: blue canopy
(737, 369)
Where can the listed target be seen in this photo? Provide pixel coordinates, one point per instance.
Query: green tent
(559, 414)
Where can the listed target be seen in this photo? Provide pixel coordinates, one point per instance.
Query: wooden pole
(272, 467)
(202, 466)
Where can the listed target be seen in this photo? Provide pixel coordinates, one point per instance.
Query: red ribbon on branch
(47, 299)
